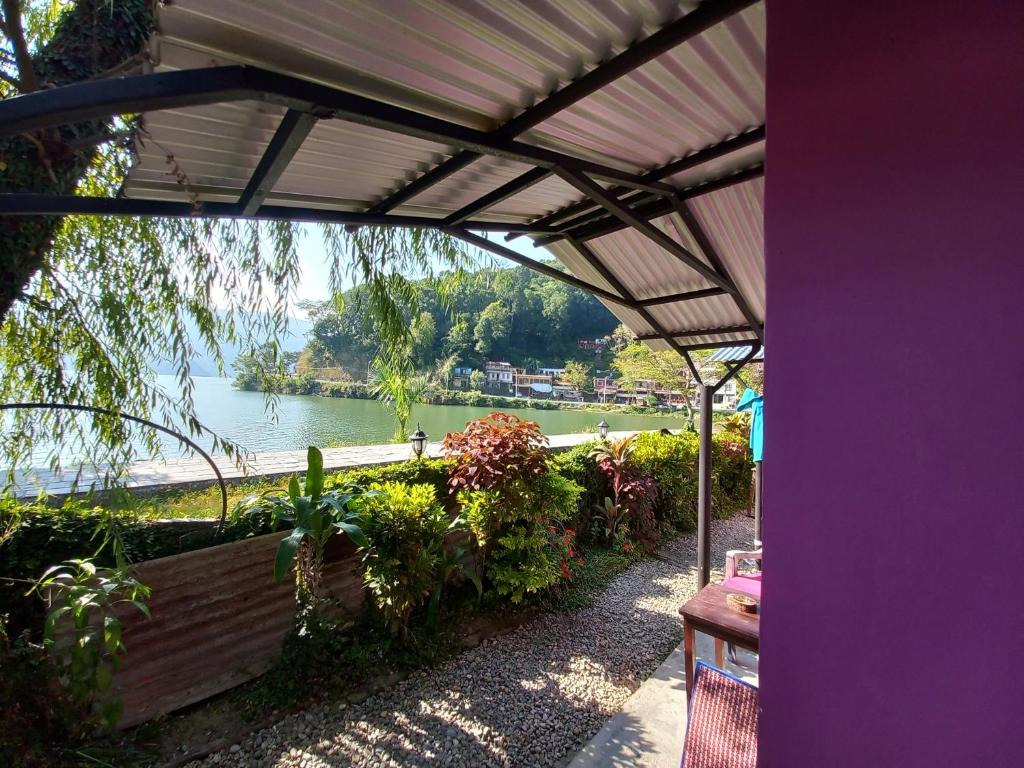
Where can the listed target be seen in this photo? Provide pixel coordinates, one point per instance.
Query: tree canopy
(495, 313)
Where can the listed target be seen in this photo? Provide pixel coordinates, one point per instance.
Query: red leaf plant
(496, 453)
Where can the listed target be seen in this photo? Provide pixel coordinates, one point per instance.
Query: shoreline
(471, 398)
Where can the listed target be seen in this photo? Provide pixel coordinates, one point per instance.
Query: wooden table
(707, 612)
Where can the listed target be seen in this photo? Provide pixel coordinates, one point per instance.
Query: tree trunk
(93, 38)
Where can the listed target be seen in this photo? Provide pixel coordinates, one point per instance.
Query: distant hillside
(511, 314)
(204, 365)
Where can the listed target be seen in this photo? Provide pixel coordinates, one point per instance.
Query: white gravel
(533, 697)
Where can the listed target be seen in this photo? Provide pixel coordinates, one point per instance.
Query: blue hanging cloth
(753, 402)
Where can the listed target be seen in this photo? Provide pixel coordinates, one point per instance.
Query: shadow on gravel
(533, 697)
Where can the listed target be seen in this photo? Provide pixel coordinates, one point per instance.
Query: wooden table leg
(719, 653)
(688, 657)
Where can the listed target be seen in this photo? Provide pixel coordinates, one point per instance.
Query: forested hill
(511, 314)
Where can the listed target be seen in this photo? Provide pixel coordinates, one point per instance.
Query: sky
(314, 284)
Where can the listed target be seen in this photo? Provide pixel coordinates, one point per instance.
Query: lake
(304, 420)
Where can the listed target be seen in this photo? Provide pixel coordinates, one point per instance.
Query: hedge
(38, 535)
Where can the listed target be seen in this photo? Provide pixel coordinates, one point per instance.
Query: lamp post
(419, 441)
(602, 429)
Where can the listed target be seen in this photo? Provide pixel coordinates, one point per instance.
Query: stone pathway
(533, 697)
(185, 472)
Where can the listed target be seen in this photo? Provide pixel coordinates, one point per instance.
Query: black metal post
(704, 489)
(757, 502)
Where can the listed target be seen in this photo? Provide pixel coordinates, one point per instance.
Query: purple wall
(893, 630)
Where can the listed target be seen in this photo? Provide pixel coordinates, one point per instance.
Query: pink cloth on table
(749, 584)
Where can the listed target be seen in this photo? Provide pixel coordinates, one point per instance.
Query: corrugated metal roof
(733, 355)
(480, 63)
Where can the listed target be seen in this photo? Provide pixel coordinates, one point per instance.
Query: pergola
(625, 136)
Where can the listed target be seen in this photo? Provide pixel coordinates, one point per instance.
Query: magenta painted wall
(893, 627)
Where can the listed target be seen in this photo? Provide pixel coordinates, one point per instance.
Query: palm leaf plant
(398, 386)
(315, 515)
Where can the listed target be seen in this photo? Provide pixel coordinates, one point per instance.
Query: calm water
(303, 420)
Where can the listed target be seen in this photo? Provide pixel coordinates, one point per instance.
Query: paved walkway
(649, 730)
(194, 471)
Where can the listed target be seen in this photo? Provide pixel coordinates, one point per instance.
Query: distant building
(461, 377)
(605, 388)
(556, 372)
(592, 345)
(563, 390)
(531, 384)
(726, 398)
(500, 375)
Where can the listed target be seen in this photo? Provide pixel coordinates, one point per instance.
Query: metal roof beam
(691, 222)
(99, 99)
(661, 206)
(698, 333)
(611, 204)
(706, 15)
(425, 181)
(720, 344)
(703, 293)
(544, 269)
(591, 258)
(693, 160)
(735, 368)
(494, 197)
(291, 132)
(28, 204)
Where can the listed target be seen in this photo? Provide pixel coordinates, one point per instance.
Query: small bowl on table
(740, 602)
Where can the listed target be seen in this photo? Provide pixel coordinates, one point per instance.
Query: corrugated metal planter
(219, 619)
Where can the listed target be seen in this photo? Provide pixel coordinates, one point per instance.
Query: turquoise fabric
(753, 402)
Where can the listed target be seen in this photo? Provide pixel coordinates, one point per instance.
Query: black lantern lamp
(602, 429)
(419, 441)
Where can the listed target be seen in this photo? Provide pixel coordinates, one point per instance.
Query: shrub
(526, 543)
(37, 719)
(83, 632)
(414, 471)
(576, 464)
(314, 514)
(352, 389)
(498, 452)
(732, 474)
(37, 535)
(511, 500)
(629, 511)
(671, 460)
(404, 560)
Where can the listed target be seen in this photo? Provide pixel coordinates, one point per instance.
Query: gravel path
(533, 697)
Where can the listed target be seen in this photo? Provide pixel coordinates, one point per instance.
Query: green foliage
(405, 560)
(512, 501)
(83, 630)
(732, 474)
(88, 304)
(672, 461)
(591, 578)
(529, 552)
(513, 312)
(37, 719)
(576, 464)
(39, 535)
(398, 386)
(315, 515)
(492, 330)
(579, 375)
